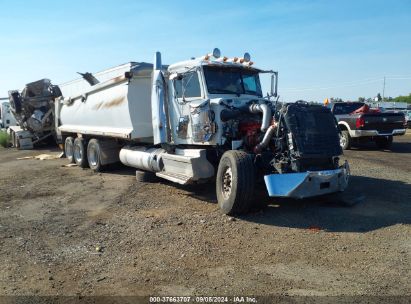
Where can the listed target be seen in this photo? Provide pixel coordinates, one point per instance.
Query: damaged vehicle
(33, 109)
(198, 120)
(304, 153)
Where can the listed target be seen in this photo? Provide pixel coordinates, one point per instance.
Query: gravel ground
(68, 231)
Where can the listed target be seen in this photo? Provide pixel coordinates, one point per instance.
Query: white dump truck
(199, 120)
(6, 116)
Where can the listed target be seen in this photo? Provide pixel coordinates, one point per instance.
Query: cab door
(187, 95)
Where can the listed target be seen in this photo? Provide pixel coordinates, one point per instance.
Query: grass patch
(4, 139)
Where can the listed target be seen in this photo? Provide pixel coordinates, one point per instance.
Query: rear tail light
(360, 122)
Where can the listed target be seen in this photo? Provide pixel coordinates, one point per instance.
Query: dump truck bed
(118, 106)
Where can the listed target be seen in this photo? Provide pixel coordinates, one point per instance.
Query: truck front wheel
(79, 152)
(345, 140)
(235, 182)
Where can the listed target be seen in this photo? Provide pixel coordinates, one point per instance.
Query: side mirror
(274, 84)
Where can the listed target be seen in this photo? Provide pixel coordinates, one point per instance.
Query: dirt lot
(68, 231)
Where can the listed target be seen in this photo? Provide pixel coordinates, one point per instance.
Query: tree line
(406, 99)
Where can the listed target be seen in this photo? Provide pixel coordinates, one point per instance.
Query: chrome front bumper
(364, 133)
(308, 184)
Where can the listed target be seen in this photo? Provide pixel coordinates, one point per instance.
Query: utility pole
(383, 91)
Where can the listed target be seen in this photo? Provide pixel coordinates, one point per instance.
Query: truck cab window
(232, 80)
(251, 83)
(190, 84)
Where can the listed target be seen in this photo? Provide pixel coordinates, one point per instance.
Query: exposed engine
(297, 137)
(33, 107)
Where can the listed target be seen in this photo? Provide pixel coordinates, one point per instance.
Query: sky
(321, 49)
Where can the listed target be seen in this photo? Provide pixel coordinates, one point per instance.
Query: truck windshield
(232, 80)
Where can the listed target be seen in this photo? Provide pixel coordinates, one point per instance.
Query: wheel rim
(78, 155)
(343, 141)
(69, 149)
(92, 155)
(227, 182)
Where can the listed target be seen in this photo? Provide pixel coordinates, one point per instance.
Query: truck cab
(201, 91)
(214, 105)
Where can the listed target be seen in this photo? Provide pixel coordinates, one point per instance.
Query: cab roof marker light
(216, 54)
(241, 60)
(221, 59)
(234, 59)
(247, 64)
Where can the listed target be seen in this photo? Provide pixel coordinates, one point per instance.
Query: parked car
(357, 122)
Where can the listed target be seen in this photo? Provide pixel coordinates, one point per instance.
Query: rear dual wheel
(69, 149)
(84, 154)
(79, 152)
(94, 155)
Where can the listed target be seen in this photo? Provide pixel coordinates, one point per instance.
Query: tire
(79, 152)
(94, 155)
(145, 176)
(235, 182)
(384, 142)
(69, 149)
(345, 140)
